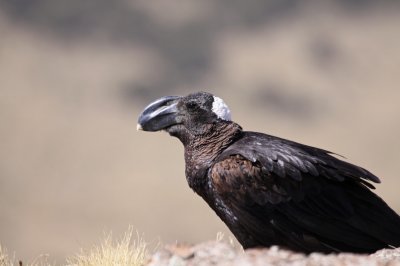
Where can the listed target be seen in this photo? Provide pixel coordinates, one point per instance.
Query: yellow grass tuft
(5, 260)
(222, 238)
(123, 252)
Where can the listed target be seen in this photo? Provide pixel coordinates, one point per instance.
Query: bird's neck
(202, 149)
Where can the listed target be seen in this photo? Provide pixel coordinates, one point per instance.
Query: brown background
(74, 76)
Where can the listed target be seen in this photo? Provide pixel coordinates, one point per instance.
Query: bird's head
(193, 114)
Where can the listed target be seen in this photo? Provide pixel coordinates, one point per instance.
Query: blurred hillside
(74, 75)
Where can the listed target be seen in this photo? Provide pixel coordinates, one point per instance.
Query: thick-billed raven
(272, 191)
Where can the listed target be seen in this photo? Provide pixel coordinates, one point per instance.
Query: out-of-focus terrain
(74, 76)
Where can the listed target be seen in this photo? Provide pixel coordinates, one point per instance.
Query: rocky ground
(222, 253)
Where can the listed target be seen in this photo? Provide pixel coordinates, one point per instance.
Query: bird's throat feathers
(201, 150)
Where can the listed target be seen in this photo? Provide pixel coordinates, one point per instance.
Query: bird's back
(272, 191)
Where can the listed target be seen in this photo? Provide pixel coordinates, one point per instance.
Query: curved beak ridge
(159, 114)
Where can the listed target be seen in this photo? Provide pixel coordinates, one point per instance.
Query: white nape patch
(221, 109)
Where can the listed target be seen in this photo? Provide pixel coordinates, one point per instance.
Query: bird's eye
(192, 105)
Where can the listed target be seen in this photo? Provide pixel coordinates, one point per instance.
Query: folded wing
(279, 192)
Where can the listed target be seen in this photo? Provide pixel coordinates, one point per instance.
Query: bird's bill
(159, 115)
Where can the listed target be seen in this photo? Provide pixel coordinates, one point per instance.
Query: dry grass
(5, 259)
(221, 237)
(122, 252)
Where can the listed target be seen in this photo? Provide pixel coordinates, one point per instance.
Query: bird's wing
(312, 200)
(291, 159)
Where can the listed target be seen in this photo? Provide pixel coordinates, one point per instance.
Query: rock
(223, 254)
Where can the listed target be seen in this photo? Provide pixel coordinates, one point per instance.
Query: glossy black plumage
(272, 191)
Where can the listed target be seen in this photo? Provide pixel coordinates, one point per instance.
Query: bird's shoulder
(277, 156)
(238, 179)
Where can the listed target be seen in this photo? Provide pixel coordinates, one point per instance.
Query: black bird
(273, 191)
